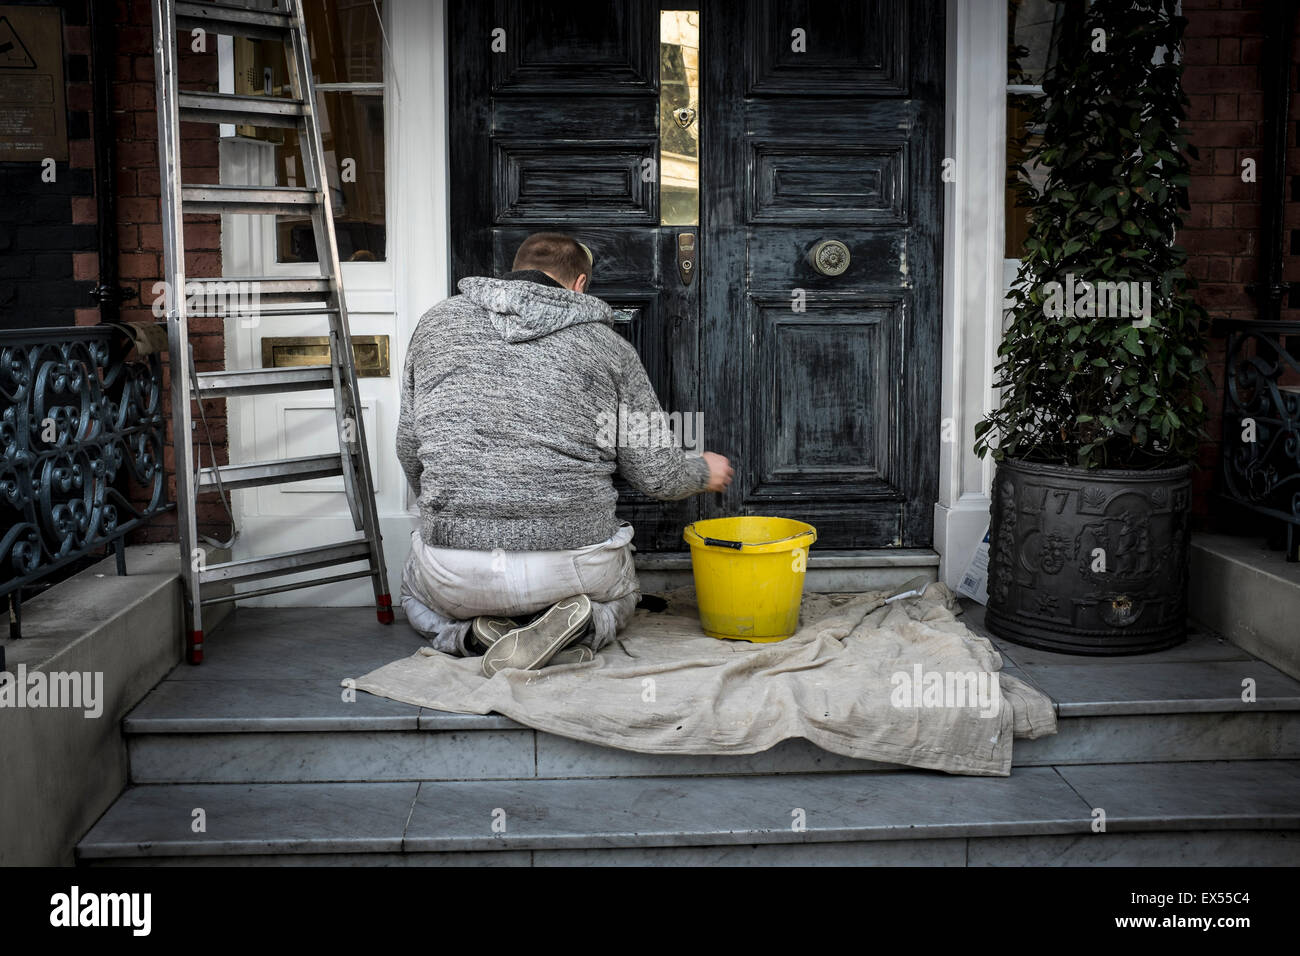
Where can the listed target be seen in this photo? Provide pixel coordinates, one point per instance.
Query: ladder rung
(263, 381)
(257, 200)
(289, 586)
(280, 472)
(266, 287)
(221, 18)
(262, 313)
(244, 110)
(287, 562)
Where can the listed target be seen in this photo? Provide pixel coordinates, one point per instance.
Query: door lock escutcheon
(830, 257)
(686, 256)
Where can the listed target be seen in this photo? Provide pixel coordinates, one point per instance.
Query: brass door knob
(830, 257)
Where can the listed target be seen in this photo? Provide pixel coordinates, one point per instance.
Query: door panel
(538, 181)
(824, 388)
(849, 49)
(572, 47)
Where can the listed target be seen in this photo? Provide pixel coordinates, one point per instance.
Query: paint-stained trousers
(444, 589)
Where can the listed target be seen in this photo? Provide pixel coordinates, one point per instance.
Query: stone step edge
(1035, 826)
(145, 726)
(628, 839)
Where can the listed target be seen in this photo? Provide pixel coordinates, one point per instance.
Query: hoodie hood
(522, 311)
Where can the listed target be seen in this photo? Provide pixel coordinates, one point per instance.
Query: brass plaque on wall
(370, 352)
(33, 118)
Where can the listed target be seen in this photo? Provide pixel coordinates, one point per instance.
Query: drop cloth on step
(898, 683)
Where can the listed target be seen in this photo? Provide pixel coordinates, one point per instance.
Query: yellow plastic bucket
(749, 575)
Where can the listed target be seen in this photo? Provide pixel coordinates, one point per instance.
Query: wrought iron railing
(1260, 459)
(81, 450)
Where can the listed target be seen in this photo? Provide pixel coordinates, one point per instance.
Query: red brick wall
(1223, 54)
(139, 214)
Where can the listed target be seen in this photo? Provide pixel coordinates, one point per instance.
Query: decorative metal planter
(1089, 562)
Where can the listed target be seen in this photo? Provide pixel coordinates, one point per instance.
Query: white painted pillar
(975, 138)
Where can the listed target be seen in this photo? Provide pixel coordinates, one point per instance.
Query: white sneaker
(530, 647)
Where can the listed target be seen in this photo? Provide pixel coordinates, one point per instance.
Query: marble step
(1038, 815)
(267, 707)
(1249, 593)
(194, 732)
(206, 725)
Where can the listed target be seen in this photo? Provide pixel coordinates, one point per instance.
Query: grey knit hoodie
(505, 393)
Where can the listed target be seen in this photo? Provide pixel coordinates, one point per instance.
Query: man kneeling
(509, 393)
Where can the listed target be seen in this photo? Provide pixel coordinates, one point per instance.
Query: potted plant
(1103, 359)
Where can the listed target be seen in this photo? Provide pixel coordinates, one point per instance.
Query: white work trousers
(444, 589)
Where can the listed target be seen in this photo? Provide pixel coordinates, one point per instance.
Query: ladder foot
(194, 652)
(384, 611)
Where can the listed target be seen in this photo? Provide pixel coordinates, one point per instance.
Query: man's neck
(532, 275)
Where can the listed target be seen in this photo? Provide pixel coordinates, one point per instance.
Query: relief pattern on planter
(1089, 561)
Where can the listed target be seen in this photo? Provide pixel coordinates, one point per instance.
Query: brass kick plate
(370, 352)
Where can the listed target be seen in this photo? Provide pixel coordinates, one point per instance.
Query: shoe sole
(572, 655)
(568, 616)
(485, 638)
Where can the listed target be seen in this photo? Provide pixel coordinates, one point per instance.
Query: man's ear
(580, 283)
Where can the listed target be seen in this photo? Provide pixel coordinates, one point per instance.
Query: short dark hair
(555, 253)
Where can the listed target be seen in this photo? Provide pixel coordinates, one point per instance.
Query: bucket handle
(737, 545)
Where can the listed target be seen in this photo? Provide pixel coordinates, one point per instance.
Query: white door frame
(973, 240)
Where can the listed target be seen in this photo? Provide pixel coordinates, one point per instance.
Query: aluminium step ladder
(320, 295)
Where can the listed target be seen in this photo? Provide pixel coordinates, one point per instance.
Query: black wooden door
(817, 121)
(825, 124)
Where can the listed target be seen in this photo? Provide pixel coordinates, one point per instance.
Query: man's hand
(720, 471)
